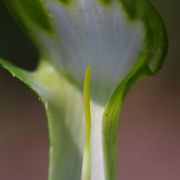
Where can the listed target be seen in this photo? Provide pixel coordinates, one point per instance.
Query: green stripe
(87, 112)
(30, 11)
(148, 62)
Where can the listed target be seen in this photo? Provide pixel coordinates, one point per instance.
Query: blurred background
(149, 145)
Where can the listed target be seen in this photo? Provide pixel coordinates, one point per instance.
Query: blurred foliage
(14, 44)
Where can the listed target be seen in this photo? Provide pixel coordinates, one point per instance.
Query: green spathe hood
(121, 40)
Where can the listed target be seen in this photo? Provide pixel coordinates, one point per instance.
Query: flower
(119, 41)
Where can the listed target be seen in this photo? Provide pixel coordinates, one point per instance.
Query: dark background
(150, 125)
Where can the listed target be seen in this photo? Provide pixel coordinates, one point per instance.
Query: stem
(87, 112)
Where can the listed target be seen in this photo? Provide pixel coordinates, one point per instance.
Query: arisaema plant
(91, 53)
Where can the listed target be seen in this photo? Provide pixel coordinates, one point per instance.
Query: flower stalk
(86, 167)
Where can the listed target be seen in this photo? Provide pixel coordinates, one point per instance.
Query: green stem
(87, 113)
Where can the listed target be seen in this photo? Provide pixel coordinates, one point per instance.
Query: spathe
(121, 40)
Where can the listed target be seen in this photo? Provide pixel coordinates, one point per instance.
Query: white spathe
(90, 33)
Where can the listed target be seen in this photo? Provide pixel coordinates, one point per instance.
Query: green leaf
(122, 41)
(32, 13)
